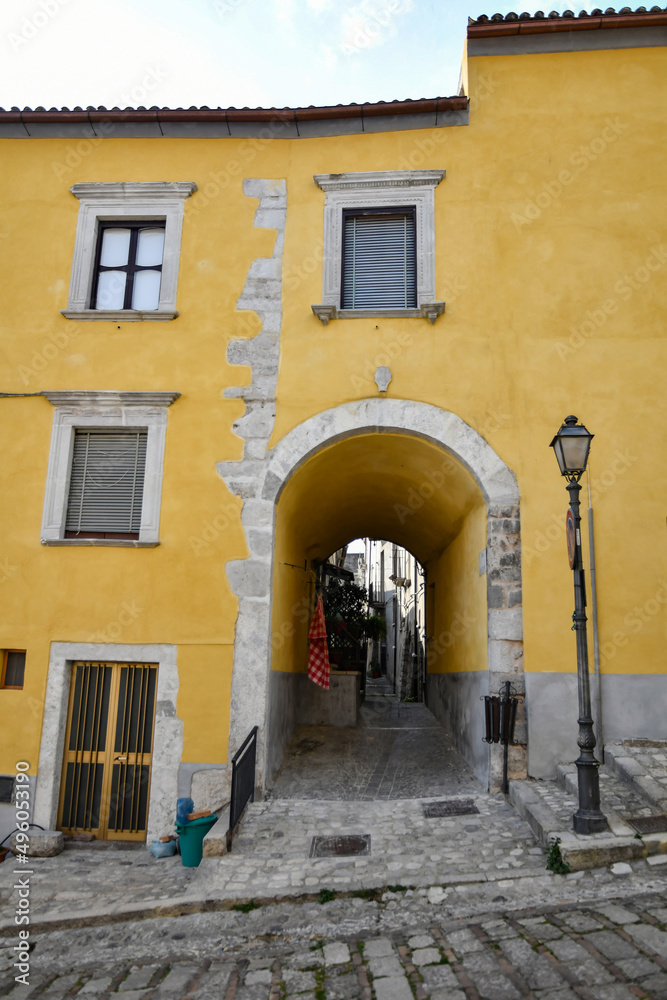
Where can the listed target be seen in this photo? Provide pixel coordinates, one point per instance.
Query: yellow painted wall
(458, 631)
(204, 694)
(562, 312)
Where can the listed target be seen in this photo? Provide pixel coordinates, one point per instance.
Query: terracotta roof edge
(422, 105)
(513, 25)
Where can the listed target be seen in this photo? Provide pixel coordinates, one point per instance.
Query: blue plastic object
(163, 850)
(183, 807)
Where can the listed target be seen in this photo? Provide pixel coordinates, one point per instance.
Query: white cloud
(370, 23)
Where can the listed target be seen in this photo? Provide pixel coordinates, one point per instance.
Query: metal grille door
(108, 750)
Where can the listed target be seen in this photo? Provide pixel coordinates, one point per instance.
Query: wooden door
(108, 750)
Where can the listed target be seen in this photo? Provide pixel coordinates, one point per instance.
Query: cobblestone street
(452, 901)
(402, 945)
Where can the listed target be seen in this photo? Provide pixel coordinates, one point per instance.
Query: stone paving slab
(398, 751)
(478, 946)
(271, 851)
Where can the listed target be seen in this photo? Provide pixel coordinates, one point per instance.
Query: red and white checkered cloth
(318, 654)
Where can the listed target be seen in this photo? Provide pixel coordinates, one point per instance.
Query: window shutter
(379, 261)
(107, 482)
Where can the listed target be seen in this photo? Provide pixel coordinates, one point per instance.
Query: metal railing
(243, 782)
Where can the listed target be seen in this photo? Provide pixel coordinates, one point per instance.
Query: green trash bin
(191, 839)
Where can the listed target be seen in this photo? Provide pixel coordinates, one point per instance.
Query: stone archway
(251, 579)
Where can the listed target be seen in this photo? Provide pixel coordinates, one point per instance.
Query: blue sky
(232, 53)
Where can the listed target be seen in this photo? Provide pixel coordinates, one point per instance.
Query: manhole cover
(649, 824)
(449, 807)
(341, 847)
(307, 746)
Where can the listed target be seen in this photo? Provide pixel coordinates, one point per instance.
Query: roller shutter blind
(106, 484)
(379, 260)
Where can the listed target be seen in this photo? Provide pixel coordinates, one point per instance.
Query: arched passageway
(418, 476)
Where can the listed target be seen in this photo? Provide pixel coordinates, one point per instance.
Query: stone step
(548, 807)
(622, 762)
(215, 841)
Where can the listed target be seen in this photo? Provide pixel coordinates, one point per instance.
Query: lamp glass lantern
(572, 445)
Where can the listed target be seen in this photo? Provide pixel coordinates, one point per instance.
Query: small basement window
(6, 788)
(13, 668)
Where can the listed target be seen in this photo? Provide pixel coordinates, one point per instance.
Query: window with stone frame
(379, 245)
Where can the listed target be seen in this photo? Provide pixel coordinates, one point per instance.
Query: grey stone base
(633, 706)
(454, 699)
(339, 706)
(280, 718)
(41, 843)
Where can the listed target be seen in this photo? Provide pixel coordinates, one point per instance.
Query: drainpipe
(594, 612)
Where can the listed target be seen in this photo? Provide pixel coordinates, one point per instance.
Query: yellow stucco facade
(551, 255)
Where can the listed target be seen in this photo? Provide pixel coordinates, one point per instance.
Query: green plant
(396, 888)
(326, 896)
(319, 984)
(317, 946)
(245, 907)
(374, 894)
(555, 861)
(349, 621)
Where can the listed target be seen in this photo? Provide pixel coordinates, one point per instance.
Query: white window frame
(153, 201)
(379, 189)
(78, 410)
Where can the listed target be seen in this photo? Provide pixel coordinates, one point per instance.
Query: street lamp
(571, 445)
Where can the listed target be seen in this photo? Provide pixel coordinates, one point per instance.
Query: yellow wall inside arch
(399, 487)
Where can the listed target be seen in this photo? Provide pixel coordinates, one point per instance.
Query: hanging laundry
(318, 654)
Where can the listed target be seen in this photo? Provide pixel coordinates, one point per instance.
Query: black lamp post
(571, 445)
